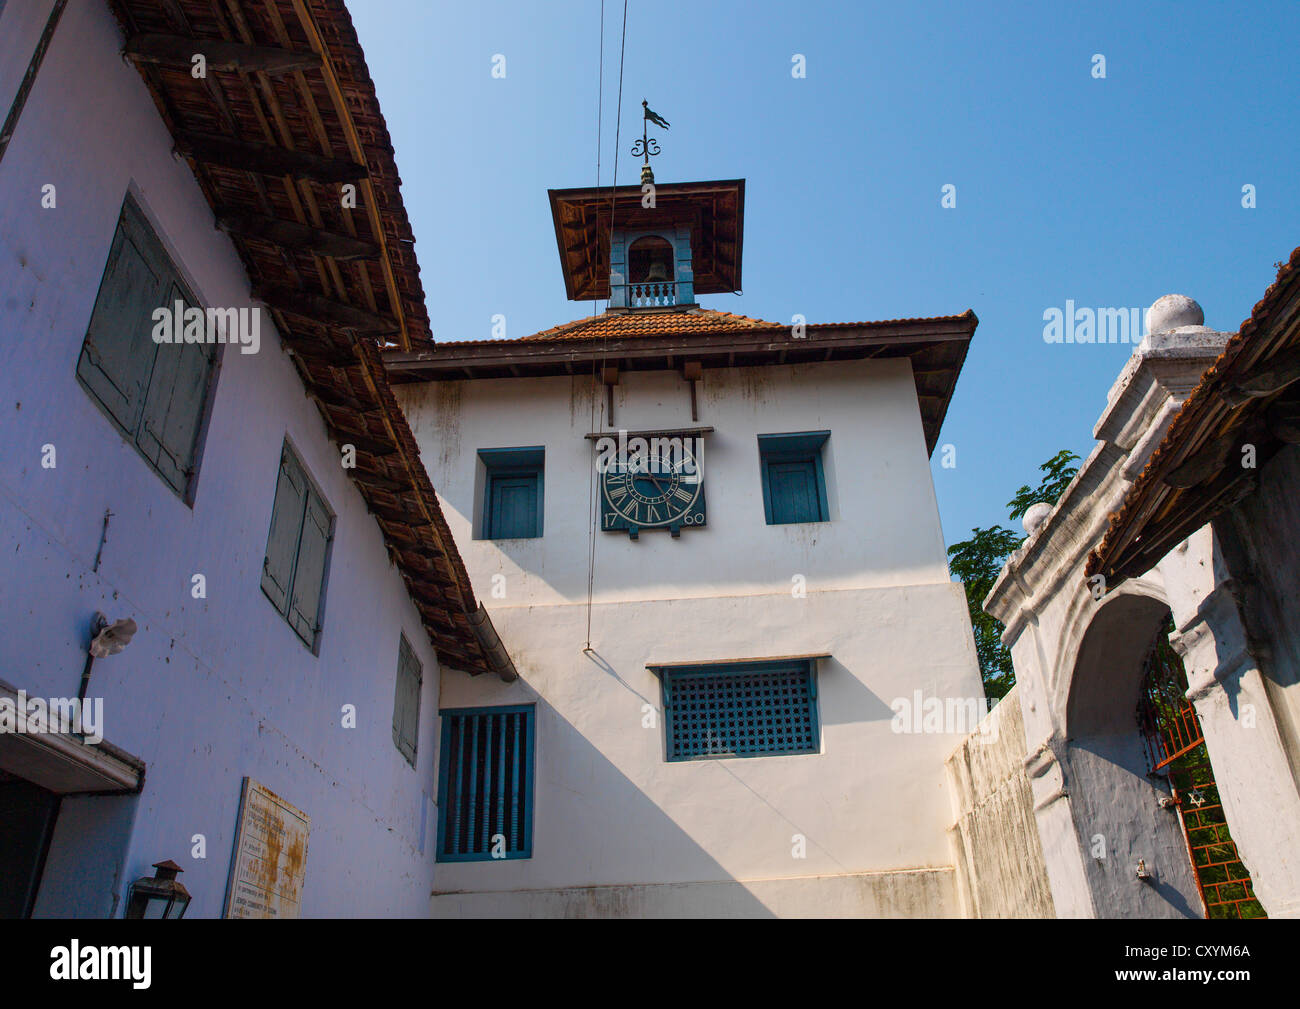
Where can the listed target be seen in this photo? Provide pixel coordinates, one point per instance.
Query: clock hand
(658, 485)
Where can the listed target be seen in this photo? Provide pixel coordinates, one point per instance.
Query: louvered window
(297, 549)
(485, 788)
(155, 393)
(750, 709)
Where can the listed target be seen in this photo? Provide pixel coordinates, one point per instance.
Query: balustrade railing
(650, 293)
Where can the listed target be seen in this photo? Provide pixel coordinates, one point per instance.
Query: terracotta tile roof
(641, 323)
(621, 325)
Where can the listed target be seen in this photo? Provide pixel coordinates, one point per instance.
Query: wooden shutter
(514, 506)
(173, 406)
(118, 354)
(286, 531)
(794, 491)
(309, 573)
(406, 704)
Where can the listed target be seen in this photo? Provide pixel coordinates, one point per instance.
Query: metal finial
(647, 145)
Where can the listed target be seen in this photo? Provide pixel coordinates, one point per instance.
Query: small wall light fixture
(105, 639)
(161, 895)
(109, 639)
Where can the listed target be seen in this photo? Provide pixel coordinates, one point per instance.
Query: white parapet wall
(997, 849)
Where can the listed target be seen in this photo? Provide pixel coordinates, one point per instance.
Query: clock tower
(704, 718)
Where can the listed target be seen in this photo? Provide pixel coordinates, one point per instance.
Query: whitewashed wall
(1000, 865)
(715, 836)
(210, 690)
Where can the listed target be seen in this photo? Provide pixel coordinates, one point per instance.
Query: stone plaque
(270, 856)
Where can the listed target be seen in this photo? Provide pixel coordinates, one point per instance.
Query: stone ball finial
(1173, 311)
(1035, 516)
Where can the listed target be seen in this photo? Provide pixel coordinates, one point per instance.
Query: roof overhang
(936, 349)
(62, 761)
(287, 111)
(1250, 395)
(715, 212)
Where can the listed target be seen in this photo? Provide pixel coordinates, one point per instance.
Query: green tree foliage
(977, 561)
(1057, 474)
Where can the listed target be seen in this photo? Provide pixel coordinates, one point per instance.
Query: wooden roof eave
(525, 358)
(326, 314)
(902, 337)
(578, 259)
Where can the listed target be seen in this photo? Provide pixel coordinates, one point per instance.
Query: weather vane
(648, 145)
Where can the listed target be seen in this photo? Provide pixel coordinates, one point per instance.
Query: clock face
(661, 487)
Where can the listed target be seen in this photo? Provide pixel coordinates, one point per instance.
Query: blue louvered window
(485, 784)
(794, 481)
(748, 709)
(512, 502)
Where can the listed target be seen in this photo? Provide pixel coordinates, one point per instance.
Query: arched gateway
(1131, 814)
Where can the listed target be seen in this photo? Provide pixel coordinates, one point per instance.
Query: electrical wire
(618, 130)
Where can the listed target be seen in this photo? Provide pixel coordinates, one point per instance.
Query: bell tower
(650, 247)
(653, 246)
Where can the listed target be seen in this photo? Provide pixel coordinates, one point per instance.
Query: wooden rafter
(264, 159)
(180, 50)
(297, 237)
(324, 310)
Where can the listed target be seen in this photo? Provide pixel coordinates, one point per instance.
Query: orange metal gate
(1176, 748)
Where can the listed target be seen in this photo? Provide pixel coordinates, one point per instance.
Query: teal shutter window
(406, 703)
(286, 529)
(485, 784)
(512, 504)
(297, 549)
(309, 573)
(749, 709)
(155, 393)
(794, 483)
(173, 407)
(793, 487)
(117, 356)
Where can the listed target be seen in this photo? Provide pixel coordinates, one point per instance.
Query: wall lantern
(109, 639)
(105, 639)
(161, 895)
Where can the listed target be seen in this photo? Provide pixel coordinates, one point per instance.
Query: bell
(658, 273)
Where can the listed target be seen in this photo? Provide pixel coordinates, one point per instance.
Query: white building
(287, 604)
(712, 659)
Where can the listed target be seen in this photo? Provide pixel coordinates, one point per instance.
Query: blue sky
(1107, 192)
